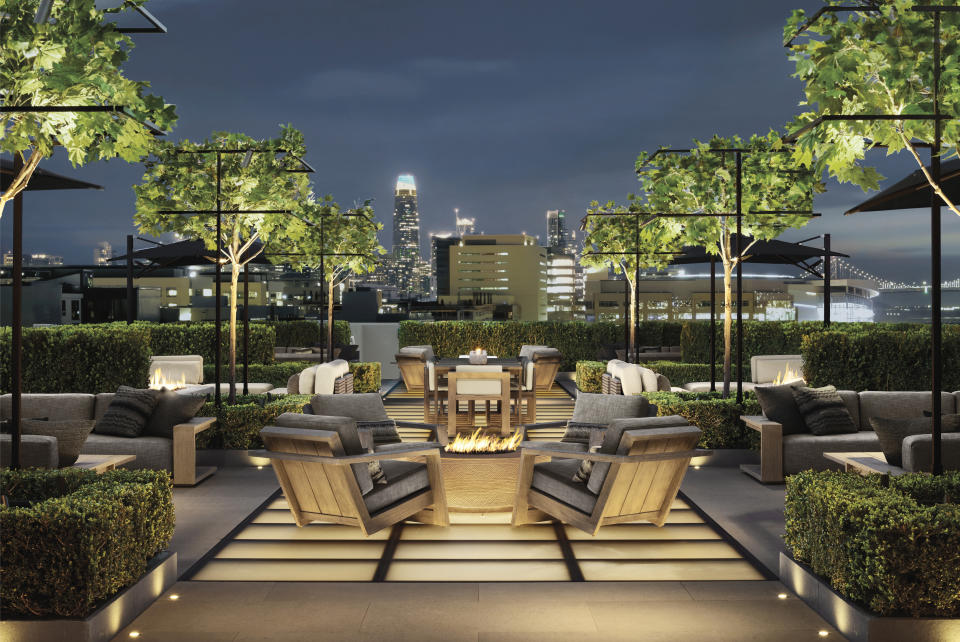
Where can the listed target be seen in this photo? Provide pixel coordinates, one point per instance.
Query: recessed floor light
(134, 634)
(174, 596)
(782, 596)
(823, 634)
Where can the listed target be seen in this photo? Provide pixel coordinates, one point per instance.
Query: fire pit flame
(159, 382)
(481, 443)
(790, 376)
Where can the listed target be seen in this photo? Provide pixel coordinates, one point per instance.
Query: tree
(611, 242)
(867, 63)
(348, 244)
(704, 181)
(71, 60)
(181, 178)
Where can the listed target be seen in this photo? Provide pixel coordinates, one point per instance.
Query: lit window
(171, 291)
(207, 292)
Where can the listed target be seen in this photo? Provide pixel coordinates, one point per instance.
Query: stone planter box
(855, 622)
(108, 620)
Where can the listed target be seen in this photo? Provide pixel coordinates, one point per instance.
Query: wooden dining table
(513, 366)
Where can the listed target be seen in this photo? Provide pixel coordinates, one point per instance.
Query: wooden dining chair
(478, 383)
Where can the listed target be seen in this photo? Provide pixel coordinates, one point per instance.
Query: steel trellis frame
(936, 300)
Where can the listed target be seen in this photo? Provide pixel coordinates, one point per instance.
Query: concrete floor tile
(175, 635)
(581, 592)
(237, 592)
(735, 590)
(337, 592)
(464, 617)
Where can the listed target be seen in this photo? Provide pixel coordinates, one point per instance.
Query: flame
(480, 443)
(789, 375)
(158, 381)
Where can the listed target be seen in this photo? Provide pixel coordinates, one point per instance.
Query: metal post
(936, 339)
(826, 281)
(713, 323)
(328, 350)
(739, 277)
(131, 315)
(636, 295)
(216, 334)
(16, 323)
(626, 315)
(246, 326)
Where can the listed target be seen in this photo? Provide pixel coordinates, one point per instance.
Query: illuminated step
(654, 549)
(505, 550)
(482, 532)
(477, 571)
(673, 570)
(217, 570)
(314, 531)
(646, 532)
(297, 549)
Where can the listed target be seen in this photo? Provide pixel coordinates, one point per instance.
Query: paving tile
(551, 592)
(736, 590)
(461, 617)
(176, 635)
(329, 592)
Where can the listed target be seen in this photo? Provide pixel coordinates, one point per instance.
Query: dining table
(513, 366)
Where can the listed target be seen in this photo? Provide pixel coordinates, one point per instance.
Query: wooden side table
(102, 463)
(865, 463)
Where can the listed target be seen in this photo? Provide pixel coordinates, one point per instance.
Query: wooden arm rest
(613, 459)
(760, 422)
(545, 424)
(185, 471)
(348, 460)
(194, 426)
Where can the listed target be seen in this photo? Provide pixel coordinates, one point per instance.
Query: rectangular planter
(104, 623)
(855, 622)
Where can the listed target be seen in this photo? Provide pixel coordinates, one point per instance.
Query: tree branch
(933, 184)
(21, 180)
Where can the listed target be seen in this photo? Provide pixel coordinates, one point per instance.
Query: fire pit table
(478, 480)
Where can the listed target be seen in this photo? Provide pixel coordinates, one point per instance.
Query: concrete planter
(104, 623)
(855, 622)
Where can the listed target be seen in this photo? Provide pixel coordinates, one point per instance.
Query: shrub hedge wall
(894, 549)
(197, 338)
(79, 358)
(366, 376)
(879, 359)
(589, 374)
(306, 332)
(82, 538)
(718, 418)
(238, 426)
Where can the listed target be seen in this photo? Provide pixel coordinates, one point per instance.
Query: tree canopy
(71, 60)
(868, 62)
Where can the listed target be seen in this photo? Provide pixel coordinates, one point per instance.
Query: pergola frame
(936, 300)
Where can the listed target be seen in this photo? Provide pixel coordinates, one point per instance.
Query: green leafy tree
(874, 62)
(611, 242)
(71, 60)
(348, 244)
(704, 181)
(176, 180)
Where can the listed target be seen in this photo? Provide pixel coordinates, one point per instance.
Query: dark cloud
(502, 108)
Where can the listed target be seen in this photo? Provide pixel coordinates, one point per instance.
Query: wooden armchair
(636, 475)
(478, 383)
(322, 481)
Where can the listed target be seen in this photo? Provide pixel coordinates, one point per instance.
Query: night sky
(503, 109)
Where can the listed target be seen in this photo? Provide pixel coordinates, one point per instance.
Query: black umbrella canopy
(913, 192)
(773, 252)
(185, 253)
(41, 179)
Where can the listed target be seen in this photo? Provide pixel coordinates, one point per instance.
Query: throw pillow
(663, 384)
(823, 411)
(70, 433)
(580, 433)
(367, 441)
(586, 467)
(892, 431)
(128, 413)
(172, 409)
(383, 432)
(778, 404)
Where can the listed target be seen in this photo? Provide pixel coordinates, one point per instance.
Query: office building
(406, 236)
(464, 225)
(440, 244)
(102, 253)
(560, 236)
(34, 260)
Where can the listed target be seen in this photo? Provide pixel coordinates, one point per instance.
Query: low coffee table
(864, 463)
(102, 463)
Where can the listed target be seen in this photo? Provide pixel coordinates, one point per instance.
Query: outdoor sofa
(326, 378)
(622, 378)
(177, 455)
(787, 452)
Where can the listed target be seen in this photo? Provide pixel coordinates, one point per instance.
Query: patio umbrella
(41, 180)
(913, 191)
(772, 252)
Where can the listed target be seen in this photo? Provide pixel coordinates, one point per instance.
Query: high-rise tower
(406, 234)
(560, 238)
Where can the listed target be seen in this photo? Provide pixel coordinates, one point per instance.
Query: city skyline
(503, 127)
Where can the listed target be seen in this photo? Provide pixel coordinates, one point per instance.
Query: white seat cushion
(490, 387)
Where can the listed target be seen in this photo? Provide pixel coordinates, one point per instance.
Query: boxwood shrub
(238, 426)
(718, 418)
(79, 358)
(889, 544)
(589, 374)
(78, 537)
(366, 376)
(198, 338)
(306, 332)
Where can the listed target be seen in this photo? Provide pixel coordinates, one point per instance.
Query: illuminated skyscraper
(102, 253)
(464, 225)
(406, 235)
(560, 238)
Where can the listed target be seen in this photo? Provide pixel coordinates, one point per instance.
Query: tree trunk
(631, 314)
(234, 284)
(329, 337)
(727, 324)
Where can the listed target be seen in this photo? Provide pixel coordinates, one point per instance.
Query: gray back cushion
(172, 409)
(592, 408)
(70, 434)
(528, 350)
(899, 405)
(892, 431)
(917, 452)
(360, 406)
(52, 406)
(778, 405)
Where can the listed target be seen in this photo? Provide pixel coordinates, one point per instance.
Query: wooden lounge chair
(636, 475)
(325, 476)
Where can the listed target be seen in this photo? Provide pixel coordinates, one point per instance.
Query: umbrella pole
(130, 314)
(16, 343)
(216, 305)
(826, 281)
(713, 323)
(739, 278)
(246, 326)
(936, 339)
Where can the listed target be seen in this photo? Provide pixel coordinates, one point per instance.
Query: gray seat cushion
(555, 479)
(52, 406)
(918, 449)
(404, 478)
(151, 452)
(36, 451)
(805, 452)
(359, 406)
(592, 408)
(892, 431)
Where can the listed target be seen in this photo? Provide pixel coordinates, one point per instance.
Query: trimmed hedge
(79, 358)
(198, 338)
(889, 544)
(366, 374)
(238, 426)
(83, 538)
(879, 359)
(718, 418)
(306, 332)
(589, 374)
